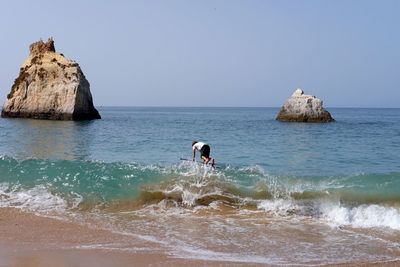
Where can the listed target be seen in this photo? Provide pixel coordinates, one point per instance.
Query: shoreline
(30, 240)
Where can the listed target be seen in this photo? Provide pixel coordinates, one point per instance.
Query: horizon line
(137, 106)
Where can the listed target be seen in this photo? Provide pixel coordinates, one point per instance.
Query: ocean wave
(337, 214)
(36, 199)
(362, 200)
(363, 216)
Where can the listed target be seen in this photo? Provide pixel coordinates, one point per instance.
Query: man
(204, 152)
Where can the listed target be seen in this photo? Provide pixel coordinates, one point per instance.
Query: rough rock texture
(303, 108)
(50, 86)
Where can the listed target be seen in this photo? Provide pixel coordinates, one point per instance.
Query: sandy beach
(32, 241)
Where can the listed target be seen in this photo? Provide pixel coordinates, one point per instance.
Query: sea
(281, 193)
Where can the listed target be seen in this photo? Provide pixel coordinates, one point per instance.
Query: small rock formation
(50, 86)
(303, 108)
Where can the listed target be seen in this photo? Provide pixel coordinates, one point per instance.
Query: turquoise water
(339, 179)
(362, 140)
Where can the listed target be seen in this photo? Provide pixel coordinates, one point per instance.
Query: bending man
(204, 152)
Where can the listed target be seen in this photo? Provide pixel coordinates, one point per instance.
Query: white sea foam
(278, 206)
(335, 214)
(363, 216)
(203, 254)
(37, 199)
(189, 198)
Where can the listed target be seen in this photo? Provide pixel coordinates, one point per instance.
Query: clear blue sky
(216, 53)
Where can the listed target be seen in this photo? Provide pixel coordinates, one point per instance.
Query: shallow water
(283, 193)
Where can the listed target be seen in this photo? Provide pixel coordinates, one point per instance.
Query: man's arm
(193, 154)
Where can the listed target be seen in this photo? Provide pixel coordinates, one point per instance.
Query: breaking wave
(362, 200)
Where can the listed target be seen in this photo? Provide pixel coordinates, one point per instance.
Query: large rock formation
(50, 86)
(303, 108)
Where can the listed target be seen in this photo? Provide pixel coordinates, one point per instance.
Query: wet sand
(32, 241)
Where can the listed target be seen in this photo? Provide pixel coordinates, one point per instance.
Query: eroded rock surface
(303, 108)
(50, 86)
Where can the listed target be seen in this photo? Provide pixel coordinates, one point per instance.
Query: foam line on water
(335, 213)
(363, 216)
(36, 199)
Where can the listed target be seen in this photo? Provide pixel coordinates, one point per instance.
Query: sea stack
(50, 86)
(303, 108)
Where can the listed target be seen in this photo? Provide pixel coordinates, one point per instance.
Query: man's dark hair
(194, 142)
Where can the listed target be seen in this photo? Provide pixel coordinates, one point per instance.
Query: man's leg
(206, 160)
